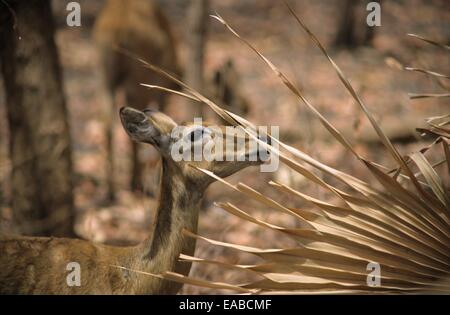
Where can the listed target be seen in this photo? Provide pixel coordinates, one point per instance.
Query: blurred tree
(198, 14)
(40, 146)
(353, 30)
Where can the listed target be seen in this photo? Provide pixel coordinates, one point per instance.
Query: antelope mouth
(261, 154)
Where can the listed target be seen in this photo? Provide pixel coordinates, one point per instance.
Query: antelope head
(218, 149)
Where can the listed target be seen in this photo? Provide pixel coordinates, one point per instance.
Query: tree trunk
(353, 30)
(196, 38)
(40, 146)
(345, 35)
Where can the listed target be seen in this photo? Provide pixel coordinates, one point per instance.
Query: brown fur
(33, 265)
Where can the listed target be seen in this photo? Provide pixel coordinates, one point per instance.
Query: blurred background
(211, 59)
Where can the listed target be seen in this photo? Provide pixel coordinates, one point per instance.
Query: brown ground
(274, 32)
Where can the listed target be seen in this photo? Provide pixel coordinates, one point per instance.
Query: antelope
(226, 89)
(37, 265)
(140, 27)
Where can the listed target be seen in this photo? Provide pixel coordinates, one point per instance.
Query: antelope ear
(139, 126)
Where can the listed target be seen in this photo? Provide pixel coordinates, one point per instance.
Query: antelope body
(33, 265)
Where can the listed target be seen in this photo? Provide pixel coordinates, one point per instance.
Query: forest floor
(268, 25)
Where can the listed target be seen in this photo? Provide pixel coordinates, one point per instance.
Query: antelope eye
(197, 134)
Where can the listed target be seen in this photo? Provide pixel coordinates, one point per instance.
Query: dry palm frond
(430, 41)
(404, 228)
(438, 77)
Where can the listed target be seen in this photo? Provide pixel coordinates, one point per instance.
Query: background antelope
(140, 27)
(227, 90)
(33, 265)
